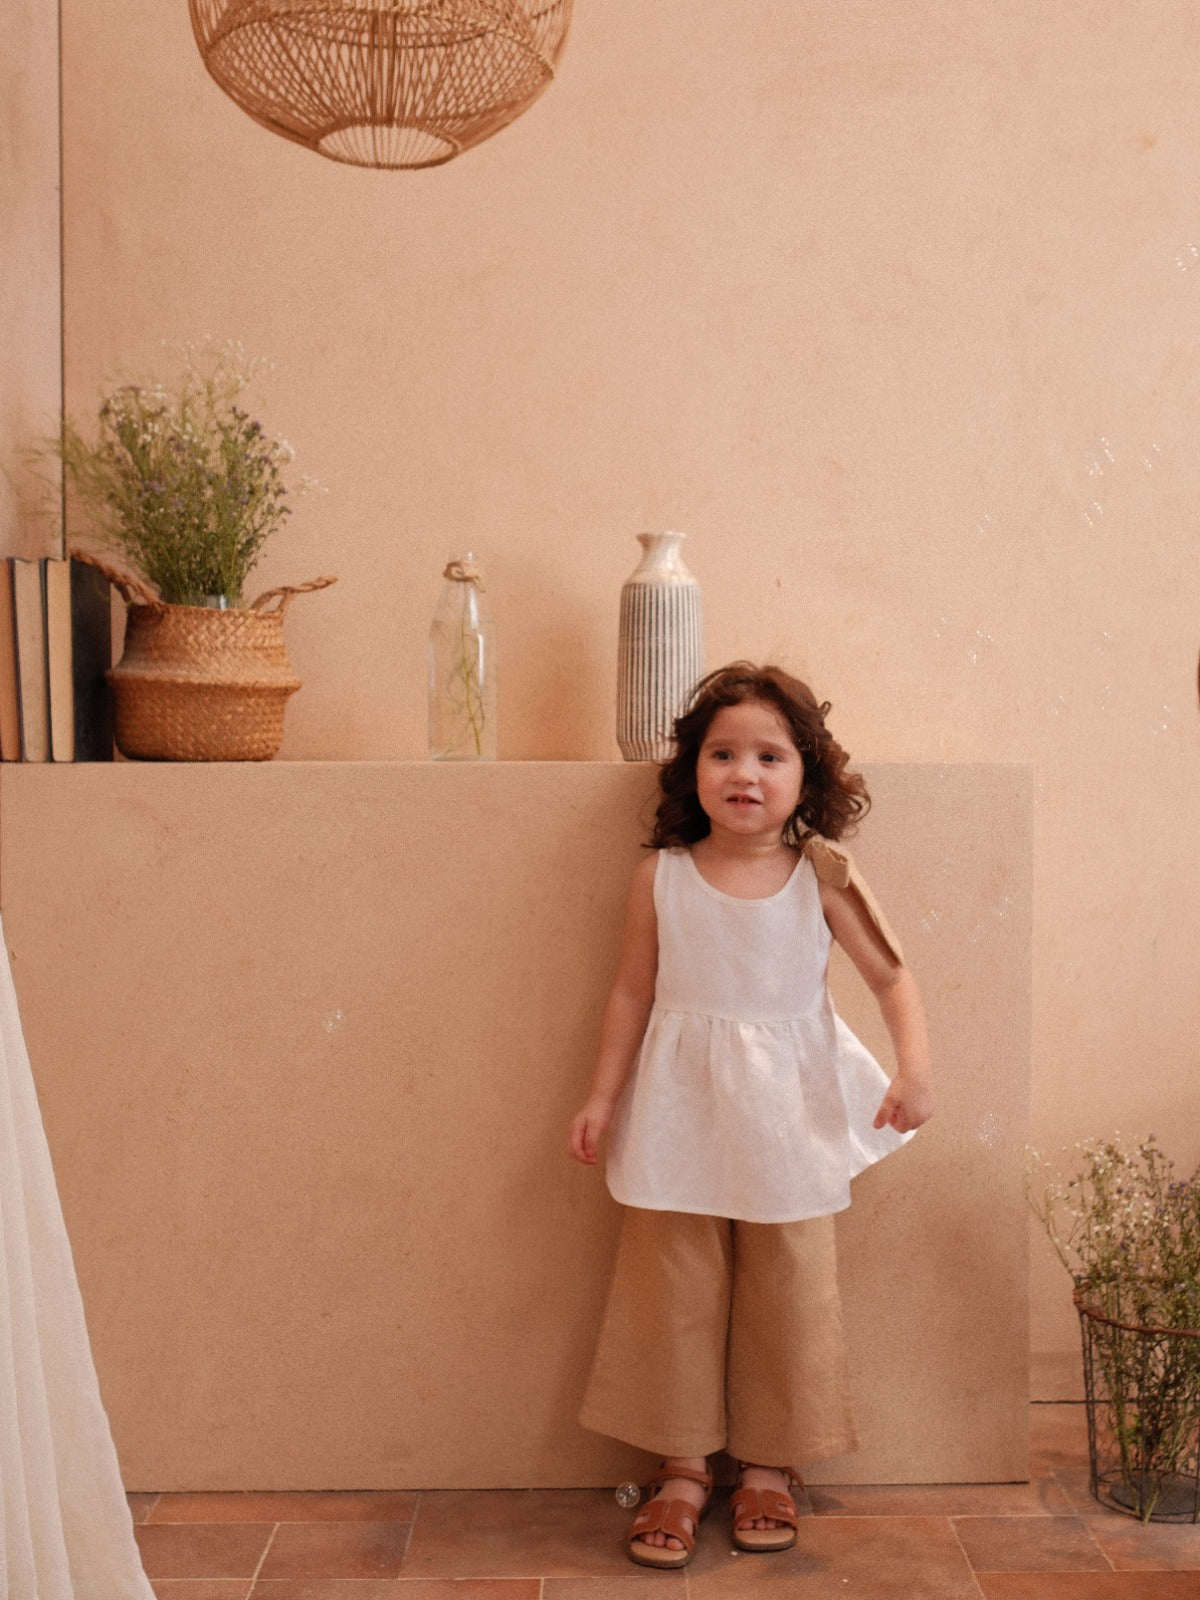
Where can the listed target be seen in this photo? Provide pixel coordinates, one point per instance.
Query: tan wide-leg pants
(723, 1335)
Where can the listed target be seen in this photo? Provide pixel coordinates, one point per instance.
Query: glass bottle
(462, 668)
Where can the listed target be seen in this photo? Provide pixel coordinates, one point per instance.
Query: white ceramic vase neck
(661, 560)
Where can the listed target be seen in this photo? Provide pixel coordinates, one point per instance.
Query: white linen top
(751, 1098)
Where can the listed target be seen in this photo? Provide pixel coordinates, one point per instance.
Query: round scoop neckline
(743, 899)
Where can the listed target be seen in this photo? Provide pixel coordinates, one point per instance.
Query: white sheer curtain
(67, 1532)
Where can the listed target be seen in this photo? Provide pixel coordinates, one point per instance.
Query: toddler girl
(741, 1107)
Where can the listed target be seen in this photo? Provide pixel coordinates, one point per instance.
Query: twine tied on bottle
(464, 572)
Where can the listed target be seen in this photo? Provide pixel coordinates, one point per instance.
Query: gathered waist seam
(794, 1019)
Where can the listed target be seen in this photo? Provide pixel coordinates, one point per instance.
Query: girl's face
(749, 774)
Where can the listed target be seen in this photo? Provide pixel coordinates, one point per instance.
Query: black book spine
(91, 651)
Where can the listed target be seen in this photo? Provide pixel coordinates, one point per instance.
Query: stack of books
(55, 647)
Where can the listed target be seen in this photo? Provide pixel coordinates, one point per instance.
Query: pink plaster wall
(30, 279)
(891, 307)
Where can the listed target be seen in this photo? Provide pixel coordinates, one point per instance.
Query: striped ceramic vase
(661, 648)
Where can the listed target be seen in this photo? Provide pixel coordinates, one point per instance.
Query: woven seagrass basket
(196, 684)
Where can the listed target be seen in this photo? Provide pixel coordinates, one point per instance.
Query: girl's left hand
(588, 1128)
(906, 1105)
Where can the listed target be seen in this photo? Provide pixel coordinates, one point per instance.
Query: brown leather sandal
(670, 1517)
(748, 1505)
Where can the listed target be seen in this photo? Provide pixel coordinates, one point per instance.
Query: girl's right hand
(625, 1015)
(588, 1129)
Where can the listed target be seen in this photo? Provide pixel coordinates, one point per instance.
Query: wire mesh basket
(1142, 1386)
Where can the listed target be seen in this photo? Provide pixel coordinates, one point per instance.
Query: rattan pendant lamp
(382, 83)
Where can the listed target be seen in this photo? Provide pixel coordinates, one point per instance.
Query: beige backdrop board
(307, 1038)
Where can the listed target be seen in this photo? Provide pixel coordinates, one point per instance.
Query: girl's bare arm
(909, 1100)
(625, 1015)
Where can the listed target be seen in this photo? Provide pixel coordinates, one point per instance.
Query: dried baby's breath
(1128, 1232)
(1125, 1228)
(184, 481)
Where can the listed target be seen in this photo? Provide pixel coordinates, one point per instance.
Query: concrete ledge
(307, 1037)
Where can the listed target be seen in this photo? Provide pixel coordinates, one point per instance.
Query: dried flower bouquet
(1128, 1232)
(184, 482)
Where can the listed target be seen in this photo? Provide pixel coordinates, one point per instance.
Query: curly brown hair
(833, 800)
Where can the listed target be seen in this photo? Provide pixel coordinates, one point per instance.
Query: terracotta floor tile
(201, 1588)
(857, 1542)
(1029, 1544)
(203, 1550)
(1087, 1585)
(1074, 1479)
(335, 1506)
(391, 1589)
(637, 1586)
(517, 1533)
(336, 1550)
(1134, 1546)
(1043, 1498)
(854, 1558)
